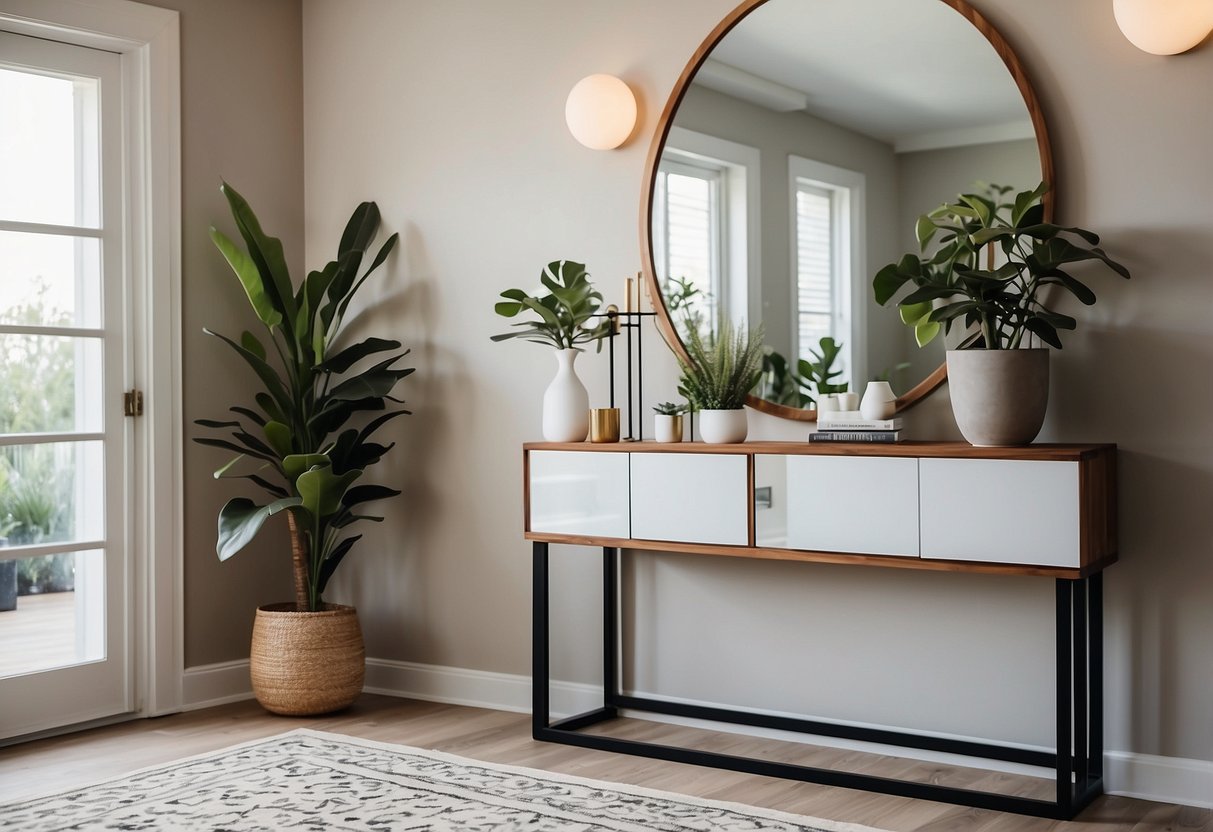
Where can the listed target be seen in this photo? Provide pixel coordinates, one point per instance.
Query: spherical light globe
(1164, 27)
(600, 112)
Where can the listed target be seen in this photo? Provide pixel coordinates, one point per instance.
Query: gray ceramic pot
(999, 397)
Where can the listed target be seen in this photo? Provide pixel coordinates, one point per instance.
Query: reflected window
(827, 205)
(689, 221)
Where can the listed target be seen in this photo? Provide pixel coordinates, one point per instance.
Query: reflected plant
(683, 300)
(802, 385)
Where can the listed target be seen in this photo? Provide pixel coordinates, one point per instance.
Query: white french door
(66, 651)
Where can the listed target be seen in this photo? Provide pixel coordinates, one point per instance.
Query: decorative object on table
(848, 401)
(852, 426)
(604, 424)
(721, 372)
(884, 436)
(628, 323)
(307, 657)
(879, 401)
(667, 422)
(334, 781)
(998, 397)
(567, 317)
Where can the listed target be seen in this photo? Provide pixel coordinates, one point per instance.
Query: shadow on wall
(385, 586)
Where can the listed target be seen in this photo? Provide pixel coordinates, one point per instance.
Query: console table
(718, 500)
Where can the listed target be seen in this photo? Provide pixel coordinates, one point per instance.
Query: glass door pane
(64, 634)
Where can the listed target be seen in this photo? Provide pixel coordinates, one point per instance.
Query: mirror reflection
(806, 145)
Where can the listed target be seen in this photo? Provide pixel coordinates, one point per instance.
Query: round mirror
(798, 148)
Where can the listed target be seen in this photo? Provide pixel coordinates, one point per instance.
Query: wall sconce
(1164, 27)
(600, 112)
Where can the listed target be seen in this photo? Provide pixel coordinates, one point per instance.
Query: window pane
(690, 245)
(51, 493)
(814, 267)
(50, 280)
(45, 614)
(48, 149)
(50, 384)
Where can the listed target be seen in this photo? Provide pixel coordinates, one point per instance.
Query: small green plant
(801, 385)
(565, 313)
(669, 409)
(723, 368)
(1001, 302)
(820, 373)
(682, 301)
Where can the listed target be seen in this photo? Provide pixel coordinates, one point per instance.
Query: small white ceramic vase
(566, 404)
(667, 427)
(719, 427)
(878, 401)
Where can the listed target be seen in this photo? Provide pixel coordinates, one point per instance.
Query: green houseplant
(721, 372)
(305, 442)
(994, 260)
(566, 316)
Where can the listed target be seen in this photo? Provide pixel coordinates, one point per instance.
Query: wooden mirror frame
(665, 324)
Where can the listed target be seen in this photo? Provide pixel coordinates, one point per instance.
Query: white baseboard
(1167, 779)
(209, 685)
(1143, 776)
(474, 688)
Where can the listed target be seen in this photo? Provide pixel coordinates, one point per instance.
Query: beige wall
(450, 115)
(241, 120)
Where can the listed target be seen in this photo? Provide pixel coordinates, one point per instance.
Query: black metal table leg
(610, 627)
(540, 671)
(1077, 761)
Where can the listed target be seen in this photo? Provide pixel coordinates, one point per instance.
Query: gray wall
(241, 120)
(450, 115)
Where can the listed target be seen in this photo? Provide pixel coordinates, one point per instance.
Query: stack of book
(850, 426)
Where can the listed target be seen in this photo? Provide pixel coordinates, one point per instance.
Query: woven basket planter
(306, 663)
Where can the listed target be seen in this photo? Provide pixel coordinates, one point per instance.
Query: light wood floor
(40, 633)
(497, 736)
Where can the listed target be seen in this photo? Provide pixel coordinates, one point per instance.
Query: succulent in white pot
(667, 421)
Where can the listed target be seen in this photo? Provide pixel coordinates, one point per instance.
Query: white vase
(878, 401)
(667, 428)
(720, 427)
(566, 404)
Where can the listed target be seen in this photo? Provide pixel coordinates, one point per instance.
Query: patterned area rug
(308, 780)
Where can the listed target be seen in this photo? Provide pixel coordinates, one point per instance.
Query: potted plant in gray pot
(999, 383)
(722, 371)
(306, 442)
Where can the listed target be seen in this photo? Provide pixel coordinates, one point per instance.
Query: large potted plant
(305, 442)
(993, 262)
(566, 316)
(722, 370)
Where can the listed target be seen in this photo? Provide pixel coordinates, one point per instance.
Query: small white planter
(667, 428)
(720, 427)
(999, 397)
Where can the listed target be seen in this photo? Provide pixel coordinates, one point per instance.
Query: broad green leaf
(351, 355)
(250, 278)
(240, 520)
(913, 313)
(280, 437)
(266, 252)
(296, 464)
(366, 493)
(250, 342)
(322, 490)
(333, 560)
(925, 333)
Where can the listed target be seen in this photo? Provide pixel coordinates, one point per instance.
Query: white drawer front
(580, 493)
(692, 498)
(1000, 511)
(866, 505)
